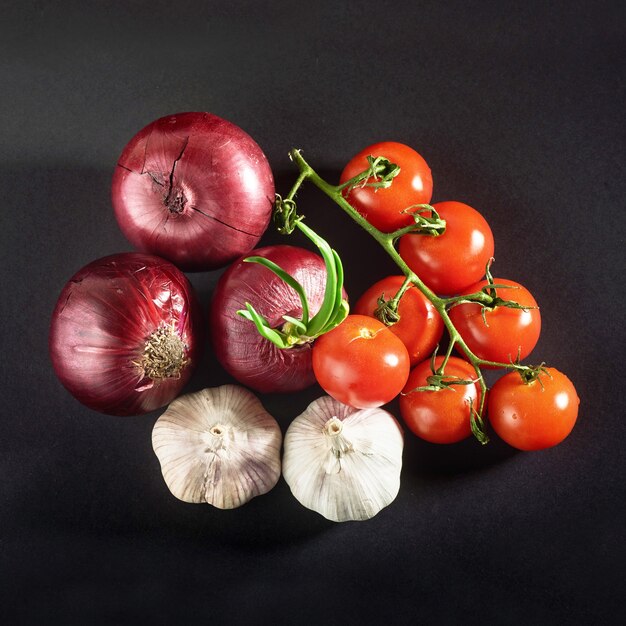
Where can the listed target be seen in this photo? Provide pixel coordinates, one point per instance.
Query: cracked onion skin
(243, 352)
(194, 189)
(126, 334)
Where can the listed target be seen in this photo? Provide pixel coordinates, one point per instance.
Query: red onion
(194, 189)
(124, 337)
(243, 352)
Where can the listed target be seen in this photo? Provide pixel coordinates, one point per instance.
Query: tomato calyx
(334, 308)
(501, 302)
(285, 215)
(438, 382)
(432, 226)
(531, 373)
(387, 311)
(491, 288)
(488, 297)
(379, 175)
(477, 425)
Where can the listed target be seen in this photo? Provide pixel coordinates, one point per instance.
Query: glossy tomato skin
(507, 332)
(535, 415)
(361, 362)
(455, 259)
(383, 207)
(440, 416)
(420, 327)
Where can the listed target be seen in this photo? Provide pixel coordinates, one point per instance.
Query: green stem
(396, 299)
(479, 297)
(446, 358)
(303, 176)
(387, 310)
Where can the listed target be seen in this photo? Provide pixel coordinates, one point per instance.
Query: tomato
(441, 416)
(455, 259)
(504, 333)
(383, 207)
(420, 326)
(361, 362)
(534, 415)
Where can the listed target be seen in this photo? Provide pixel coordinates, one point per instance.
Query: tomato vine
(380, 174)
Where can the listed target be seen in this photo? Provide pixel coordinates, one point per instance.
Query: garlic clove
(342, 462)
(218, 445)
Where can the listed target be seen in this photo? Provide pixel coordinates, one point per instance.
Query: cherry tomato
(504, 333)
(361, 362)
(420, 326)
(441, 416)
(383, 207)
(534, 415)
(455, 259)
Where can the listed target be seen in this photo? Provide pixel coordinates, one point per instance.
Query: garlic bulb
(343, 462)
(218, 445)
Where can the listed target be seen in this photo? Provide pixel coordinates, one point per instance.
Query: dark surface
(518, 108)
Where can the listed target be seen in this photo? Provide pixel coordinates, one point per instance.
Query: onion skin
(103, 318)
(247, 356)
(194, 189)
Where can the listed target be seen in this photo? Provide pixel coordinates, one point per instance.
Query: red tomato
(420, 326)
(504, 332)
(534, 415)
(383, 207)
(455, 259)
(361, 362)
(441, 416)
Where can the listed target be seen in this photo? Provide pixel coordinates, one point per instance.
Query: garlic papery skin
(343, 462)
(218, 445)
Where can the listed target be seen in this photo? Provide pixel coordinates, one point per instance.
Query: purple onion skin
(194, 189)
(247, 356)
(100, 325)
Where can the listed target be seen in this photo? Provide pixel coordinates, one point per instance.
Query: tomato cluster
(493, 322)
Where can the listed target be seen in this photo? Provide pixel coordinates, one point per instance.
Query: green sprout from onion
(334, 308)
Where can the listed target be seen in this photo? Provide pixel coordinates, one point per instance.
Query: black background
(518, 109)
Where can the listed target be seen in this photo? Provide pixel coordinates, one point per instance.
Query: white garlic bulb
(343, 462)
(218, 445)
